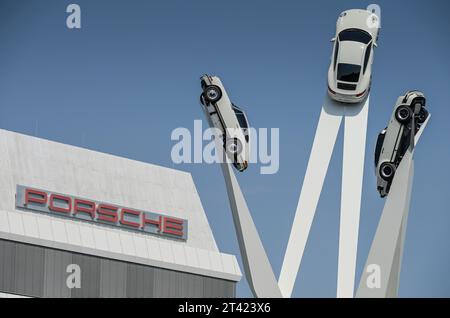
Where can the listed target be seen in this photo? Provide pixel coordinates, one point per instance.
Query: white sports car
(350, 71)
(394, 140)
(229, 119)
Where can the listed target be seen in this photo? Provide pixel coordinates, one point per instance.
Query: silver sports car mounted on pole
(350, 71)
(394, 140)
(229, 119)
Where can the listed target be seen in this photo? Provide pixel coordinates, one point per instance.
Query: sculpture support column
(381, 274)
(258, 270)
(352, 181)
(353, 168)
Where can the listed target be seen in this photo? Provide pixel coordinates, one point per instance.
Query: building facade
(79, 223)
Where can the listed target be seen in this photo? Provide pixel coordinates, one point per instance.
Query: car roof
(351, 52)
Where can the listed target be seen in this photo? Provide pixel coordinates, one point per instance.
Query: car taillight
(331, 91)
(361, 94)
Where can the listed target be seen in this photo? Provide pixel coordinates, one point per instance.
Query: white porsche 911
(350, 71)
(395, 139)
(229, 119)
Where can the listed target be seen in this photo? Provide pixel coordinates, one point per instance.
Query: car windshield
(241, 117)
(348, 72)
(356, 35)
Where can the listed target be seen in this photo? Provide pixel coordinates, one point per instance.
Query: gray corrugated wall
(41, 272)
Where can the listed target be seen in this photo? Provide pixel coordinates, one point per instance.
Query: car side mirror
(375, 44)
(333, 39)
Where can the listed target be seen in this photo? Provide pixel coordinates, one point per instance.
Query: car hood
(351, 52)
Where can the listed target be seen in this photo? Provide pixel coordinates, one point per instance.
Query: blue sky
(124, 81)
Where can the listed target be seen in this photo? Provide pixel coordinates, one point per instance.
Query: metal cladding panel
(113, 275)
(7, 268)
(37, 271)
(132, 281)
(55, 266)
(90, 278)
(17, 268)
(161, 286)
(43, 164)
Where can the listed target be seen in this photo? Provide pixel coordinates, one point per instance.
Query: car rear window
(348, 72)
(356, 35)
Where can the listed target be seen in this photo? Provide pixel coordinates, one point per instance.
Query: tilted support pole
(257, 268)
(381, 274)
(355, 117)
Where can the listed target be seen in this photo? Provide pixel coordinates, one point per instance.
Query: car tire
(403, 114)
(212, 93)
(387, 171)
(422, 116)
(233, 147)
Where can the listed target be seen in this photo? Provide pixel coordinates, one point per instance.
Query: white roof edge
(136, 161)
(230, 272)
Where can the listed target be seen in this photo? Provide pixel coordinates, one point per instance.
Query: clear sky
(130, 76)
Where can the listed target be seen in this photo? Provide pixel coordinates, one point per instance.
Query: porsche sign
(99, 212)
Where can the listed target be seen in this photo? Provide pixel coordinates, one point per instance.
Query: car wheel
(212, 93)
(387, 171)
(233, 147)
(403, 114)
(423, 114)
